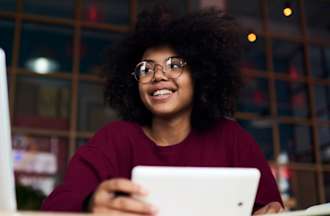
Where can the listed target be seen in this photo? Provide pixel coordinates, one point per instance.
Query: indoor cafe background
(55, 51)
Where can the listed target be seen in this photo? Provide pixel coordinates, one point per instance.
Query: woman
(177, 105)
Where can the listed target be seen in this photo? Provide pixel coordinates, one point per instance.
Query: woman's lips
(162, 98)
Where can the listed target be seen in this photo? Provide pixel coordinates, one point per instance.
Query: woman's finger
(102, 197)
(273, 207)
(114, 212)
(129, 204)
(262, 210)
(123, 185)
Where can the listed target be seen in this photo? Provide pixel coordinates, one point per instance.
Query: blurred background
(55, 51)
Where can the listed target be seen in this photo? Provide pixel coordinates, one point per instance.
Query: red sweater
(121, 145)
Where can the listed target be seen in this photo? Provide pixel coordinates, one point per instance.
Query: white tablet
(192, 191)
(7, 184)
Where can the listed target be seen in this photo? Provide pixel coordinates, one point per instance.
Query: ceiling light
(287, 10)
(42, 65)
(252, 37)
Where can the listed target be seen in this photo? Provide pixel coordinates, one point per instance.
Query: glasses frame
(183, 63)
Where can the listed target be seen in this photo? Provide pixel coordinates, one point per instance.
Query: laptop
(7, 183)
(194, 191)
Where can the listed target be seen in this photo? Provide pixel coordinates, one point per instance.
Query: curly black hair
(207, 39)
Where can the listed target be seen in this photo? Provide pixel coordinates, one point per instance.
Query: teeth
(162, 92)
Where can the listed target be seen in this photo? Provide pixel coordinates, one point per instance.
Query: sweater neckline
(165, 149)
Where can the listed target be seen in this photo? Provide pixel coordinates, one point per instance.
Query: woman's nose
(159, 73)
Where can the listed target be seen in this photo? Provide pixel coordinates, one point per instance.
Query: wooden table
(27, 213)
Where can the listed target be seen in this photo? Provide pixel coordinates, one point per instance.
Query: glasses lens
(144, 71)
(174, 66)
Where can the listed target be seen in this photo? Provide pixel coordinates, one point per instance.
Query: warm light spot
(252, 37)
(287, 11)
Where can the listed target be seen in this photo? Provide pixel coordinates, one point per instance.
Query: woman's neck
(166, 132)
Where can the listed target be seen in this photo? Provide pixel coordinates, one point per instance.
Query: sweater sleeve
(250, 155)
(86, 170)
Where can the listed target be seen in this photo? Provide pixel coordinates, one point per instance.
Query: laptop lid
(7, 183)
(178, 191)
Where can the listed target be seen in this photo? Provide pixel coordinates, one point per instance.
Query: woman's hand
(105, 199)
(272, 207)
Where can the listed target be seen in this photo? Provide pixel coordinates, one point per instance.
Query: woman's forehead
(158, 54)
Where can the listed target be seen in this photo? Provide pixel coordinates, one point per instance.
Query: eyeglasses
(144, 71)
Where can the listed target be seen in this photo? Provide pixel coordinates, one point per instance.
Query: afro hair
(207, 39)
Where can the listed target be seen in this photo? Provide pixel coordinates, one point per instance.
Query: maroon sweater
(120, 146)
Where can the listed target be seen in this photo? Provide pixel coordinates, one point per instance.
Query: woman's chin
(163, 113)
(169, 112)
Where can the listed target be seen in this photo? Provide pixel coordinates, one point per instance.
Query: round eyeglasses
(144, 71)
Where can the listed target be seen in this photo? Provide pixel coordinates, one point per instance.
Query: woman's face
(162, 95)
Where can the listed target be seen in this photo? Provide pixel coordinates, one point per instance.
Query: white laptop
(7, 183)
(179, 191)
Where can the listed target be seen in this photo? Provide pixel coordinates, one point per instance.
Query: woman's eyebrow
(150, 60)
(176, 56)
(147, 60)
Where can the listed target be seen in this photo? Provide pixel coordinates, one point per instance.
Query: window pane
(106, 11)
(322, 101)
(298, 188)
(292, 99)
(296, 142)
(39, 161)
(254, 97)
(249, 17)
(81, 142)
(288, 58)
(42, 103)
(319, 58)
(93, 49)
(93, 113)
(254, 56)
(261, 130)
(177, 9)
(6, 38)
(326, 181)
(317, 17)
(63, 9)
(7, 5)
(324, 140)
(279, 23)
(46, 49)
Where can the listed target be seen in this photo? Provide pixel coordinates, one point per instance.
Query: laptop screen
(7, 183)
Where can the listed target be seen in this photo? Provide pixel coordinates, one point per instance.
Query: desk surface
(293, 213)
(35, 213)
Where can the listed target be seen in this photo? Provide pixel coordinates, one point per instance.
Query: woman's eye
(175, 66)
(144, 71)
